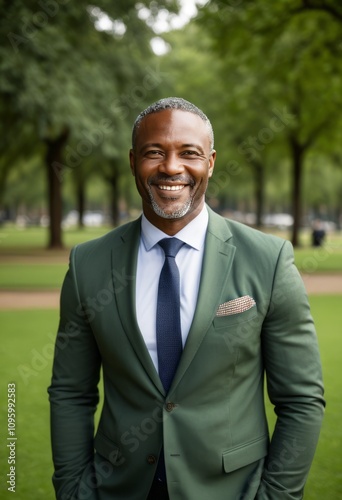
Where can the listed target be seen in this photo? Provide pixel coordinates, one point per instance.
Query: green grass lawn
(23, 276)
(325, 481)
(26, 353)
(326, 259)
(25, 263)
(325, 478)
(21, 240)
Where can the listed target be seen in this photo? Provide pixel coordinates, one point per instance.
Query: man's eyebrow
(160, 146)
(193, 145)
(151, 145)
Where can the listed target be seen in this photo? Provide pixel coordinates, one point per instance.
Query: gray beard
(174, 215)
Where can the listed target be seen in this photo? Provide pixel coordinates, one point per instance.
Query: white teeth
(171, 188)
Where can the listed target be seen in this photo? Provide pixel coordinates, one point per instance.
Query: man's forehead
(176, 120)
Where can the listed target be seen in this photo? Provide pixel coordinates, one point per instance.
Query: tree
(195, 73)
(60, 74)
(296, 57)
(328, 6)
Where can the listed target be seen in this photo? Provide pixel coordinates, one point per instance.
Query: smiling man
(172, 159)
(192, 312)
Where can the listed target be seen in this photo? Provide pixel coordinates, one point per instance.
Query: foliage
(283, 64)
(196, 74)
(67, 82)
(267, 74)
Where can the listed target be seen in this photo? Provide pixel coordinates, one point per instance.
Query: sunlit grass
(26, 360)
(34, 239)
(25, 262)
(325, 478)
(19, 275)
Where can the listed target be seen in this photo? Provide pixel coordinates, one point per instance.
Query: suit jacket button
(151, 459)
(170, 406)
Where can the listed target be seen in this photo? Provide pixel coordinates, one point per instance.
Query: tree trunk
(54, 157)
(259, 191)
(5, 170)
(339, 213)
(80, 202)
(297, 176)
(114, 201)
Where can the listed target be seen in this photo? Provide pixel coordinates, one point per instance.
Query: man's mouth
(166, 199)
(178, 187)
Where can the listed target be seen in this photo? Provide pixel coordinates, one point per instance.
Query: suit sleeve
(294, 383)
(73, 396)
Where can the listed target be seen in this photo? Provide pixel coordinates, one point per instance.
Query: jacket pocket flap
(108, 449)
(244, 455)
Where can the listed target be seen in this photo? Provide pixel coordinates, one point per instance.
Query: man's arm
(73, 395)
(294, 382)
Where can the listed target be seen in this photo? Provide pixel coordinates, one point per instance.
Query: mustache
(181, 179)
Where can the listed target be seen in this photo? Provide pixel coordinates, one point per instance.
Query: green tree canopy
(64, 80)
(281, 57)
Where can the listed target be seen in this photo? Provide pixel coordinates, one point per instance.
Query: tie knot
(171, 246)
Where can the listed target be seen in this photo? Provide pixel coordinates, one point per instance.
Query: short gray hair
(172, 103)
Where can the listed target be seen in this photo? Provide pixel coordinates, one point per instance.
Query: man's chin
(172, 211)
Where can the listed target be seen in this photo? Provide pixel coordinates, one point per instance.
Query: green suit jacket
(212, 421)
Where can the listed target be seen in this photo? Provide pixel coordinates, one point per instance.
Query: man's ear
(132, 161)
(212, 159)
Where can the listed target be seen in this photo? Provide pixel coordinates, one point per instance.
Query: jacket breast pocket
(245, 454)
(235, 319)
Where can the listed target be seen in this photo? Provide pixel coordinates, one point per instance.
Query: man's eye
(190, 153)
(153, 154)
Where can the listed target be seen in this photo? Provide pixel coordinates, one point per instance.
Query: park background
(73, 78)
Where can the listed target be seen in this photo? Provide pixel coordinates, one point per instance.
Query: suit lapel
(124, 267)
(217, 262)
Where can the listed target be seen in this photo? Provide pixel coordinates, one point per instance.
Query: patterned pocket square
(236, 306)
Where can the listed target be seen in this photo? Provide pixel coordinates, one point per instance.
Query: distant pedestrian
(318, 233)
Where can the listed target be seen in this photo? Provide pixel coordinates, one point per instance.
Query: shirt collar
(193, 234)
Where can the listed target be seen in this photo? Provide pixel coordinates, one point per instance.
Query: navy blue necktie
(168, 326)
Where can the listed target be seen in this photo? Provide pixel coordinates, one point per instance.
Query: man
(183, 413)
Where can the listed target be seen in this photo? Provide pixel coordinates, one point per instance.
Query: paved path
(323, 283)
(49, 299)
(15, 299)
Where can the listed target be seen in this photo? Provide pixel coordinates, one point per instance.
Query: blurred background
(74, 76)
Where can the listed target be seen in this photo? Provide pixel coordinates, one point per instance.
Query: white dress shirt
(150, 262)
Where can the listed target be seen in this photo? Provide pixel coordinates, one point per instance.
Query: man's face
(172, 162)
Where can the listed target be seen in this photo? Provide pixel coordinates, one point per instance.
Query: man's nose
(171, 165)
